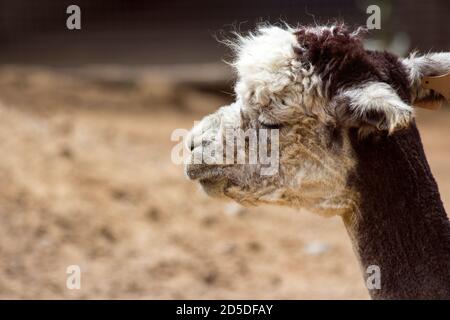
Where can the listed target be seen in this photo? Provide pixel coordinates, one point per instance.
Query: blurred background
(87, 179)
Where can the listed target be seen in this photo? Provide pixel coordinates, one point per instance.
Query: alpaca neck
(400, 224)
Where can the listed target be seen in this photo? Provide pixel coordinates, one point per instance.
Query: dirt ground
(87, 179)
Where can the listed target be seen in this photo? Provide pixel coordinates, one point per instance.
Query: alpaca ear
(429, 65)
(372, 107)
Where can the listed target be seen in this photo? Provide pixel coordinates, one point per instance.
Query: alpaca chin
(209, 177)
(213, 187)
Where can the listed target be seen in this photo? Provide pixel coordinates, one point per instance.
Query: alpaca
(348, 146)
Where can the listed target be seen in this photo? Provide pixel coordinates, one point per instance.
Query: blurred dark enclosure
(177, 31)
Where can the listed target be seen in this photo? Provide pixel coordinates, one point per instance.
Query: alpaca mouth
(210, 177)
(203, 172)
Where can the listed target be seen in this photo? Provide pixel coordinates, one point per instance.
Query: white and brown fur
(349, 146)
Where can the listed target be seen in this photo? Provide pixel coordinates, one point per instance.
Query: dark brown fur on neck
(401, 224)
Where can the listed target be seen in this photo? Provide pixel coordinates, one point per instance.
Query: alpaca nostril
(191, 145)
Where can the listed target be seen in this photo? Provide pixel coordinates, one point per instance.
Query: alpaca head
(311, 89)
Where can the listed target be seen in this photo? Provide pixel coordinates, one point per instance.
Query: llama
(348, 146)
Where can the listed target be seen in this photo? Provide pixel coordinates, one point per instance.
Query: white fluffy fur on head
(266, 55)
(280, 77)
(271, 78)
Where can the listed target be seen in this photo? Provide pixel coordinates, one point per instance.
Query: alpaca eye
(270, 125)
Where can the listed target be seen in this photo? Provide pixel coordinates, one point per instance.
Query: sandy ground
(87, 180)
